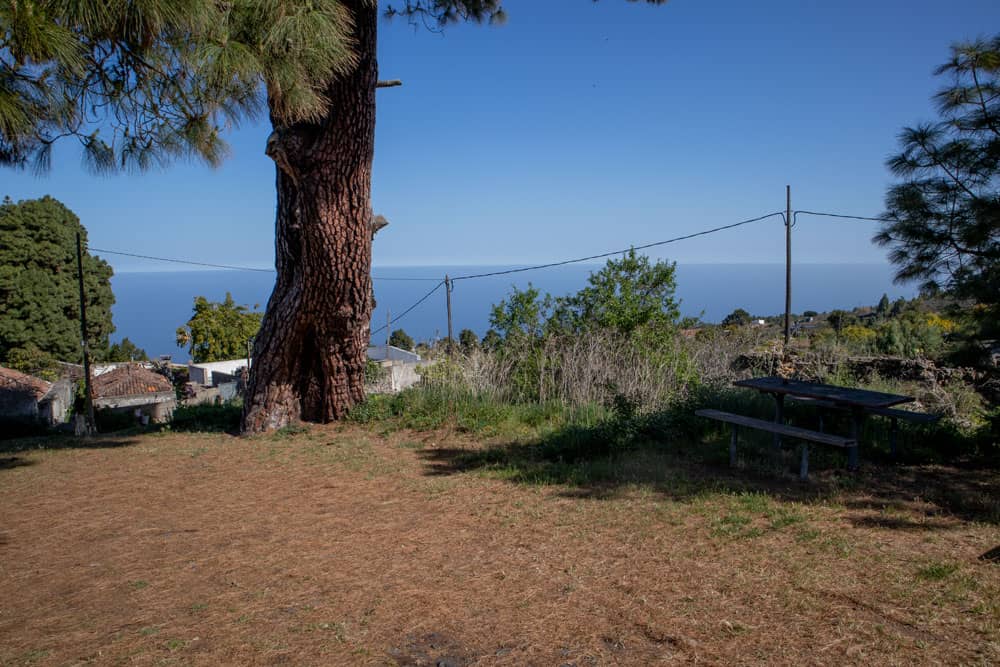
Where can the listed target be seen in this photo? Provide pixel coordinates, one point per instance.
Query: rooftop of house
(378, 353)
(226, 366)
(18, 382)
(130, 380)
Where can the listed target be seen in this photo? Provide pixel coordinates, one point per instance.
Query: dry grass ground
(344, 546)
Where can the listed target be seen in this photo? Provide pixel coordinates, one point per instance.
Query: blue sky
(583, 127)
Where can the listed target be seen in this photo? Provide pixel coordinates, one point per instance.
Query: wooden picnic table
(857, 401)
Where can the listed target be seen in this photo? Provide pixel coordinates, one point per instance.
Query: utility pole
(388, 352)
(451, 339)
(89, 398)
(788, 264)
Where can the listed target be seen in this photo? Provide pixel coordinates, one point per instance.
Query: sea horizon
(151, 305)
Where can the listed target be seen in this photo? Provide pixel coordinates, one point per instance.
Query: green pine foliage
(39, 293)
(141, 83)
(219, 331)
(945, 215)
(126, 350)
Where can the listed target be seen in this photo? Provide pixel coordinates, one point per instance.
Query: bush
(222, 417)
(109, 421)
(21, 427)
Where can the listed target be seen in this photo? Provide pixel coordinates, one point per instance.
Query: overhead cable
(618, 252)
(846, 217)
(403, 314)
(229, 266)
(181, 261)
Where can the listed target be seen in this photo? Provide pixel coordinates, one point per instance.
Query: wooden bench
(779, 429)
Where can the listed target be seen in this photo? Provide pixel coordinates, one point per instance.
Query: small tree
(468, 340)
(522, 315)
(491, 340)
(883, 307)
(838, 319)
(401, 339)
(627, 295)
(737, 318)
(126, 350)
(218, 331)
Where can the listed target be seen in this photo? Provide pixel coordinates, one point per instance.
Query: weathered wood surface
(774, 427)
(845, 396)
(917, 417)
(895, 413)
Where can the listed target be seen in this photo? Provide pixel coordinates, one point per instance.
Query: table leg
(852, 454)
(779, 417)
(732, 445)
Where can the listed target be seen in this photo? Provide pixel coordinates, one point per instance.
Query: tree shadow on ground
(901, 497)
(53, 442)
(9, 462)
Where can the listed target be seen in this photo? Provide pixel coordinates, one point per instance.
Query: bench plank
(919, 417)
(895, 413)
(774, 427)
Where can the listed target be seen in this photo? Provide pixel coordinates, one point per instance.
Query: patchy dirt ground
(341, 546)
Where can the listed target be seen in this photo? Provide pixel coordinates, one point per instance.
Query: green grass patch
(937, 571)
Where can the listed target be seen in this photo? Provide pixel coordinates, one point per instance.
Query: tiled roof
(16, 381)
(130, 381)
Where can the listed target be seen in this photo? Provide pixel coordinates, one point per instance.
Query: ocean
(151, 305)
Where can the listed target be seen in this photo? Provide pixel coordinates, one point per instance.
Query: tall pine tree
(39, 293)
(139, 83)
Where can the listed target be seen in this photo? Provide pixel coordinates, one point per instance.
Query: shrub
(224, 417)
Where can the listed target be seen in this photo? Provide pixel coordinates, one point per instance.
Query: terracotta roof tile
(16, 381)
(130, 381)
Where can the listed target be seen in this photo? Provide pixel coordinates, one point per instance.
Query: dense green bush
(223, 417)
(110, 421)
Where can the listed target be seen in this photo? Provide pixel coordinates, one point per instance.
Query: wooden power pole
(447, 291)
(788, 264)
(89, 398)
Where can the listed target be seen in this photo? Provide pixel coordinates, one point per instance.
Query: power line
(226, 266)
(403, 314)
(182, 261)
(618, 252)
(846, 217)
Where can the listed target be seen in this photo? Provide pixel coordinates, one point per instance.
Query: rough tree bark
(310, 354)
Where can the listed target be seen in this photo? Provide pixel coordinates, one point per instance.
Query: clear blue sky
(582, 127)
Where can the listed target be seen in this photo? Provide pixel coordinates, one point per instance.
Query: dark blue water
(150, 306)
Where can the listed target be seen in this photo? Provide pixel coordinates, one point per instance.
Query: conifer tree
(144, 81)
(945, 215)
(39, 292)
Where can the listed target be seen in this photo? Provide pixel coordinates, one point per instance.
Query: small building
(132, 388)
(204, 373)
(392, 353)
(399, 368)
(20, 394)
(57, 404)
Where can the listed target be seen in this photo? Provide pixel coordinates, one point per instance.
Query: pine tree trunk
(309, 357)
